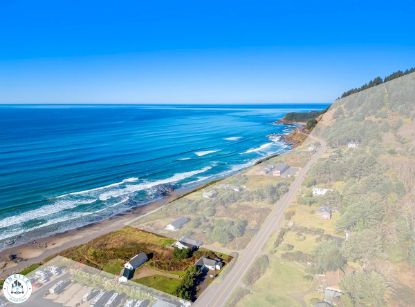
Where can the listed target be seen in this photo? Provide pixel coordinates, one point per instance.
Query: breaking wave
(233, 138)
(205, 152)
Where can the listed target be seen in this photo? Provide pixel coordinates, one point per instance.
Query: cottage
(187, 243)
(126, 275)
(325, 213)
(352, 145)
(279, 169)
(209, 194)
(136, 261)
(210, 264)
(320, 191)
(177, 224)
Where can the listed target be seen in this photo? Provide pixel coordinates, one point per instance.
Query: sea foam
(205, 152)
(262, 148)
(233, 138)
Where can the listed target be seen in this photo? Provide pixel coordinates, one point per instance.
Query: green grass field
(162, 283)
(290, 278)
(113, 266)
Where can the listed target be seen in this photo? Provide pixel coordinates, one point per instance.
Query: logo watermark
(17, 288)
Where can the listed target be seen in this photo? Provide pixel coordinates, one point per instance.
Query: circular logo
(17, 288)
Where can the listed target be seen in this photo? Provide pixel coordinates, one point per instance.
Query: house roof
(189, 241)
(280, 166)
(138, 259)
(179, 222)
(324, 209)
(127, 273)
(204, 261)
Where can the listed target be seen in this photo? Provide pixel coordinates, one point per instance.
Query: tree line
(377, 81)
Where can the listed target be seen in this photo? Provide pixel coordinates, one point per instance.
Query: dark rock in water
(161, 190)
(164, 189)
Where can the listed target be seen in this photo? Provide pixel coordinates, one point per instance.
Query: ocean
(66, 166)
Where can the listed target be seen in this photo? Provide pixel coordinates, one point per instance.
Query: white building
(210, 264)
(352, 145)
(320, 191)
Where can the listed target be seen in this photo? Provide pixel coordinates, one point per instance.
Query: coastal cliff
(305, 122)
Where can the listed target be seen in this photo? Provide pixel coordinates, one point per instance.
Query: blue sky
(198, 51)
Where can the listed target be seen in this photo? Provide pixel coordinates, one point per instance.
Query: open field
(163, 271)
(159, 282)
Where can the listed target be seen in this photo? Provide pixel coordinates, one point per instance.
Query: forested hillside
(349, 239)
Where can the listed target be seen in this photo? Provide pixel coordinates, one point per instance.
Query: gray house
(136, 261)
(210, 264)
(177, 224)
(187, 243)
(279, 169)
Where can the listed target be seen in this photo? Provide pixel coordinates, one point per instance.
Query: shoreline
(15, 258)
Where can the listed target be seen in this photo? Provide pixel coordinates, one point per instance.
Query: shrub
(182, 253)
(256, 270)
(187, 288)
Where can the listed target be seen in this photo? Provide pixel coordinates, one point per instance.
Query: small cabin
(279, 169)
(136, 261)
(187, 243)
(325, 213)
(177, 224)
(209, 264)
(320, 191)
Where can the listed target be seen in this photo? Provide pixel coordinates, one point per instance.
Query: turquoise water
(65, 166)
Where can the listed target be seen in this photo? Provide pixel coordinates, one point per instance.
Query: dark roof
(127, 273)
(138, 259)
(190, 242)
(179, 222)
